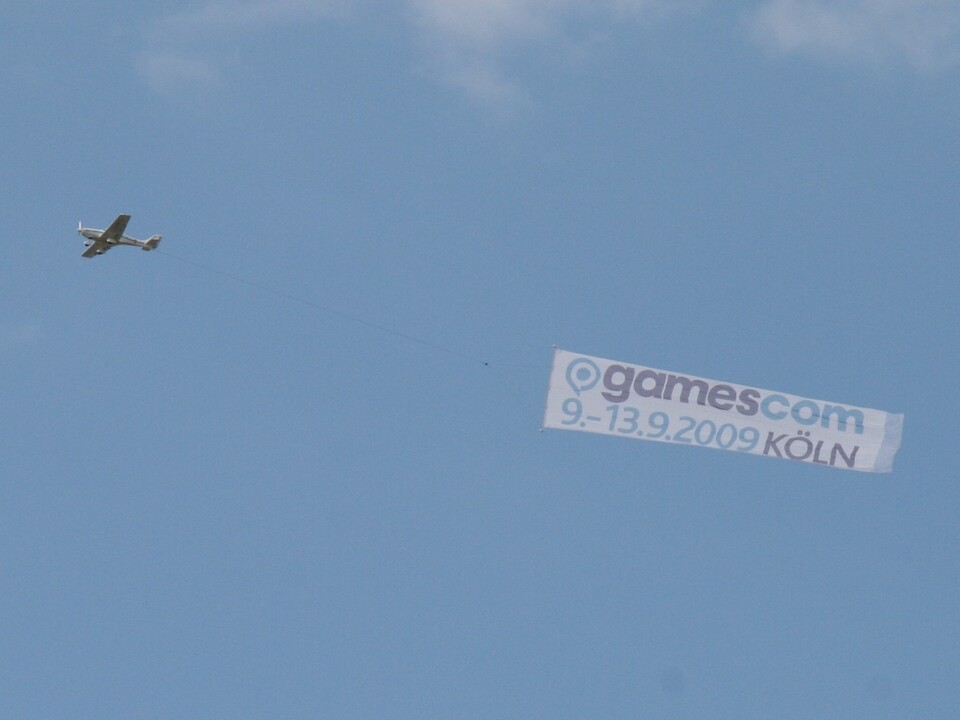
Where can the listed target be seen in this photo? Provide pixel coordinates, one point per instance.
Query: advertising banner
(609, 397)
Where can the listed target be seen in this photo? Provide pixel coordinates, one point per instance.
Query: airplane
(99, 241)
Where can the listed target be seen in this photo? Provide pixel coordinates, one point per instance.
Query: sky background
(222, 498)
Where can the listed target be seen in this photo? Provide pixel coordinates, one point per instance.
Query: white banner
(591, 394)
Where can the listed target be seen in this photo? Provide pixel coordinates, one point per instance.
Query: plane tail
(152, 243)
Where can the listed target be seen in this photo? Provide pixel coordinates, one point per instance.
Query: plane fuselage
(92, 234)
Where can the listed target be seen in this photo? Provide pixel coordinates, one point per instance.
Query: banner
(591, 394)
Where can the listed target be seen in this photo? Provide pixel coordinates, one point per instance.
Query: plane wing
(98, 246)
(115, 231)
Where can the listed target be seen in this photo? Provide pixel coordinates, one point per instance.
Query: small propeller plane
(99, 241)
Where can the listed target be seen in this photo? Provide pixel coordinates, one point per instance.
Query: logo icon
(582, 375)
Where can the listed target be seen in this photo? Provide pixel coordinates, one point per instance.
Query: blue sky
(219, 501)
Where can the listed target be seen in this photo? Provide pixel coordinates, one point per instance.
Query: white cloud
(479, 47)
(190, 50)
(234, 17)
(472, 43)
(922, 33)
(487, 84)
(492, 23)
(169, 71)
(488, 23)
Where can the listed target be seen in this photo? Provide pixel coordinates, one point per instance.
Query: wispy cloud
(169, 70)
(476, 24)
(482, 47)
(243, 16)
(192, 49)
(470, 42)
(473, 43)
(924, 34)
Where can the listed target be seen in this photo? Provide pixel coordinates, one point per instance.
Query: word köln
(800, 447)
